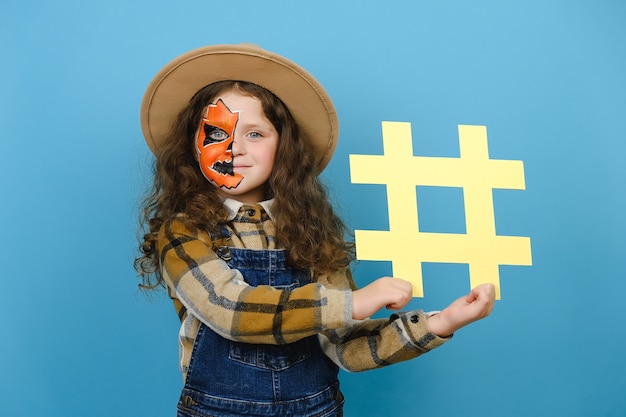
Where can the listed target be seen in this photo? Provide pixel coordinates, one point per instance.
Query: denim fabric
(227, 378)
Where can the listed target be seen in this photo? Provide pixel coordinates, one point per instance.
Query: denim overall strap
(227, 378)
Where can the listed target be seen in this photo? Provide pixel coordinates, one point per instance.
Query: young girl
(242, 235)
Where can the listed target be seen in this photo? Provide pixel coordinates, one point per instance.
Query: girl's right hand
(393, 293)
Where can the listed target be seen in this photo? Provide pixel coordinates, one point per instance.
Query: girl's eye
(213, 134)
(255, 135)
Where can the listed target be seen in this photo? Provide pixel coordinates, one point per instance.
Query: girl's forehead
(243, 104)
(247, 108)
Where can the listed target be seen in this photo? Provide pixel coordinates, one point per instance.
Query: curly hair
(306, 224)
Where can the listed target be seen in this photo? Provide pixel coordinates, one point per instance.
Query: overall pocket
(271, 357)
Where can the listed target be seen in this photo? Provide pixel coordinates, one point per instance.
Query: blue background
(547, 78)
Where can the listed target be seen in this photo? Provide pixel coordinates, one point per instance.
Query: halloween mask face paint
(214, 142)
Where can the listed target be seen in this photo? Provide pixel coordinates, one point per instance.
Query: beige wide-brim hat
(174, 85)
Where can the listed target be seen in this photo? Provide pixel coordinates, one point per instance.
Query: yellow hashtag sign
(403, 244)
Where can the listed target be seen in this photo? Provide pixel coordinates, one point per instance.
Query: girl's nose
(238, 147)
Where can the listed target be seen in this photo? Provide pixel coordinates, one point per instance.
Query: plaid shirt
(205, 290)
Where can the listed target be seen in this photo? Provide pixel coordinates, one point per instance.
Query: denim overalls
(227, 378)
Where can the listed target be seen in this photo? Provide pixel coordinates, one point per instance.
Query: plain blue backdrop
(547, 78)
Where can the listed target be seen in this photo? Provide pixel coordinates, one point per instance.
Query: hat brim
(176, 83)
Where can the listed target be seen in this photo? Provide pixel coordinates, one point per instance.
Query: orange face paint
(214, 143)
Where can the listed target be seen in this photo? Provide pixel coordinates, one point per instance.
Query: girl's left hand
(476, 305)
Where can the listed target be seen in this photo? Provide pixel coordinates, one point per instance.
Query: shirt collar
(233, 207)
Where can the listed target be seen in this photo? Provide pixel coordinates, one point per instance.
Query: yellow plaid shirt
(205, 290)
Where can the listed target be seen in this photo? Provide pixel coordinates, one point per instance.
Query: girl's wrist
(438, 326)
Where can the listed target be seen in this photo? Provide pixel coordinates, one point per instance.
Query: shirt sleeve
(204, 286)
(376, 343)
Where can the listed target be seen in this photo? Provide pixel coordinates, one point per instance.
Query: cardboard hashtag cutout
(403, 244)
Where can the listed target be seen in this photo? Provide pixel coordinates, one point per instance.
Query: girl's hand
(393, 293)
(472, 307)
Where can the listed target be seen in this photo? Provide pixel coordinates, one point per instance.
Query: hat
(176, 83)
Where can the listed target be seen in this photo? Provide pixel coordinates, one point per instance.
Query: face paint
(214, 142)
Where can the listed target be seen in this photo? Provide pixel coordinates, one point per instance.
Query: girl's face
(236, 146)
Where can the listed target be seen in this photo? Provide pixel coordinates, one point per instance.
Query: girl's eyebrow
(254, 125)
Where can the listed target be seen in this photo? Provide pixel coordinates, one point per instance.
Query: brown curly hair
(306, 224)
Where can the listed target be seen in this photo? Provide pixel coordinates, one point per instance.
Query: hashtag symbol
(403, 244)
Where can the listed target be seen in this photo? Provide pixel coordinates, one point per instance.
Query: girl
(241, 233)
